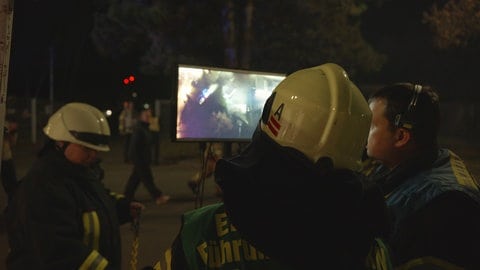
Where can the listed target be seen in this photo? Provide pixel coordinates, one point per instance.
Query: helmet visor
(91, 138)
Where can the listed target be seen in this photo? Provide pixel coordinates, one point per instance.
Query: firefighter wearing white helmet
(321, 113)
(61, 215)
(294, 198)
(79, 123)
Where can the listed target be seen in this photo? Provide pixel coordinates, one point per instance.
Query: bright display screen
(214, 104)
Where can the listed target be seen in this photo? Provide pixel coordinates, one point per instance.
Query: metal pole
(51, 79)
(6, 23)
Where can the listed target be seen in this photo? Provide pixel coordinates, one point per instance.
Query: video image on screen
(216, 104)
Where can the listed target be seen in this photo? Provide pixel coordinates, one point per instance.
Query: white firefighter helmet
(321, 113)
(79, 123)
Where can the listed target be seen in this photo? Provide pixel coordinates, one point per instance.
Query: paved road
(159, 224)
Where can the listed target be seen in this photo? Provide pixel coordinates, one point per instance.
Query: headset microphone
(403, 120)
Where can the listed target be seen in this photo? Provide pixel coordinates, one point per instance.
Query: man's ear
(402, 137)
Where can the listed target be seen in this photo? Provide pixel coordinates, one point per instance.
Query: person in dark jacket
(61, 215)
(141, 156)
(295, 197)
(433, 198)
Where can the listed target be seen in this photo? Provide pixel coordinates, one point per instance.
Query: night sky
(394, 29)
(41, 34)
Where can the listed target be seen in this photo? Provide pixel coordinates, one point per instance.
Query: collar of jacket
(391, 179)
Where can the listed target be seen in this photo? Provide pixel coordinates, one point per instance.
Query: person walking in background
(126, 123)
(8, 171)
(433, 198)
(141, 156)
(154, 128)
(294, 198)
(61, 215)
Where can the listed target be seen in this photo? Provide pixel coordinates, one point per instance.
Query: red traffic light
(128, 80)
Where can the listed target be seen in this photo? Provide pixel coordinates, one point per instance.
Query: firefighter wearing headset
(62, 216)
(433, 198)
(294, 199)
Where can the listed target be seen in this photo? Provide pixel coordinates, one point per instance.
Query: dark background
(60, 32)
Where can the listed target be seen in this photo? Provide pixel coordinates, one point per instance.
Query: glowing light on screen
(220, 104)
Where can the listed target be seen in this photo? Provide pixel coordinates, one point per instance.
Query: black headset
(404, 120)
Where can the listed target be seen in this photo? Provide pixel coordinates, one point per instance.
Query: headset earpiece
(403, 120)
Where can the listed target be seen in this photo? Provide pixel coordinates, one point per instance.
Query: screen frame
(176, 100)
